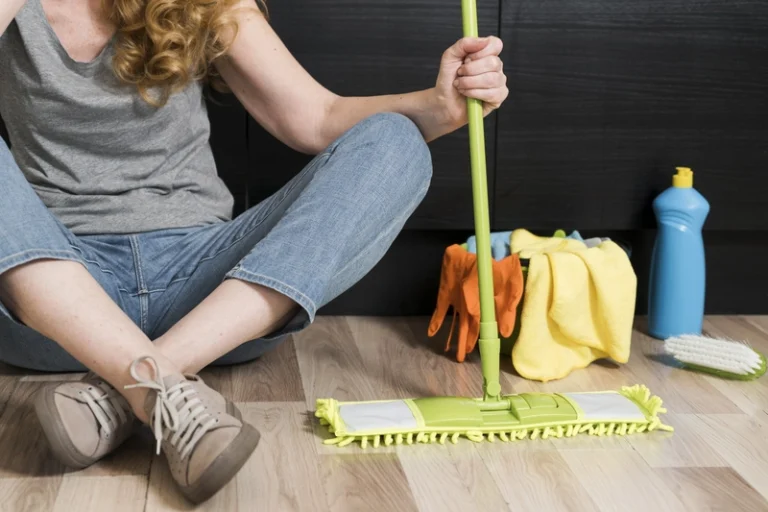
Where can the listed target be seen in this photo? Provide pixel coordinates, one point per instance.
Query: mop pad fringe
(328, 412)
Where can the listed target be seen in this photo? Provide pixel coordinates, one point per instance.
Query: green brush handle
(490, 345)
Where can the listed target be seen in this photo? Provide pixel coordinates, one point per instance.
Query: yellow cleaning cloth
(525, 244)
(579, 307)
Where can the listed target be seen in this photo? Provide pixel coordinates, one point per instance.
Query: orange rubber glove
(459, 290)
(507, 292)
(457, 262)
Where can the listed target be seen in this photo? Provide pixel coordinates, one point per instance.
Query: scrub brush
(724, 358)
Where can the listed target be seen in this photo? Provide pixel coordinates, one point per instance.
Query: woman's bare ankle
(147, 369)
(137, 398)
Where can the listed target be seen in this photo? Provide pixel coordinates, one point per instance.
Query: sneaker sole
(225, 466)
(53, 428)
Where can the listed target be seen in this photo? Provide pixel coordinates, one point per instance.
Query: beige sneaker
(201, 434)
(84, 420)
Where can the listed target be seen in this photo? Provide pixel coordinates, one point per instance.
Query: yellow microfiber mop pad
(579, 307)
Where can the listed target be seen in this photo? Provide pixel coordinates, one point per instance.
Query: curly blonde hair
(163, 45)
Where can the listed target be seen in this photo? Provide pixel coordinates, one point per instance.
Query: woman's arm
(296, 109)
(469, 68)
(8, 11)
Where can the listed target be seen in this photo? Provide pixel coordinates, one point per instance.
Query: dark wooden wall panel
(737, 277)
(378, 47)
(3, 131)
(609, 96)
(405, 282)
(230, 144)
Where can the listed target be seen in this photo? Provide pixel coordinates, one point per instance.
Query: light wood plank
(93, 494)
(760, 322)
(419, 325)
(330, 364)
(751, 397)
(468, 374)
(621, 481)
(599, 376)
(134, 457)
(713, 490)
(536, 480)
(399, 358)
(332, 367)
(22, 439)
(9, 378)
(29, 494)
(718, 423)
(683, 392)
(686, 447)
(585, 442)
(283, 473)
(163, 494)
(740, 440)
(372, 481)
(274, 377)
(450, 478)
(25, 450)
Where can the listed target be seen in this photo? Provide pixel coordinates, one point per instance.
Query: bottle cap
(683, 178)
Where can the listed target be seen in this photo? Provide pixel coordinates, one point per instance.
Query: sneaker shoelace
(178, 410)
(108, 406)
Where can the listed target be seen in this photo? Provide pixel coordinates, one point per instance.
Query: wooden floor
(716, 460)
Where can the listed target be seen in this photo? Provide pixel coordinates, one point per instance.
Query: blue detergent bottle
(678, 270)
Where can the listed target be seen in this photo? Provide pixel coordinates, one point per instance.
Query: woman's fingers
(493, 47)
(490, 80)
(490, 64)
(491, 97)
(479, 71)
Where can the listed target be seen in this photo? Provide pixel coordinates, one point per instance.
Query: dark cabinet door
(377, 47)
(3, 131)
(608, 96)
(230, 144)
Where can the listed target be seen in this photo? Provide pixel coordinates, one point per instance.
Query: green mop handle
(490, 345)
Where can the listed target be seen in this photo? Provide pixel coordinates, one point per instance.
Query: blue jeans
(311, 241)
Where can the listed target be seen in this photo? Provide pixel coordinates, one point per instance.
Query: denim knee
(28, 231)
(403, 143)
(6, 158)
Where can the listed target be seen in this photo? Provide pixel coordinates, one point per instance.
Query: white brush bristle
(719, 354)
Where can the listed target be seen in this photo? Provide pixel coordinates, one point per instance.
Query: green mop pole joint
(489, 342)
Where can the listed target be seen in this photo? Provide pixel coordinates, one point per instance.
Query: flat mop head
(632, 410)
(727, 359)
(506, 417)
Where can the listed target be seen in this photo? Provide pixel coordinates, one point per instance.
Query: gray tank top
(100, 158)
